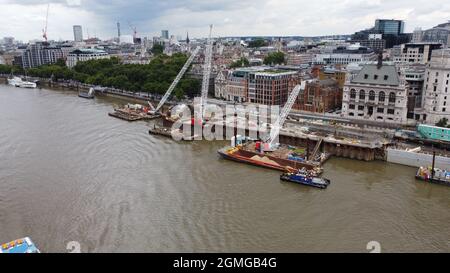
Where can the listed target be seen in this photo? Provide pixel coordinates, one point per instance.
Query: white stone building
(437, 95)
(220, 84)
(82, 55)
(376, 93)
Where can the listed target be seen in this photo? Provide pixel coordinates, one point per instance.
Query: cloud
(24, 19)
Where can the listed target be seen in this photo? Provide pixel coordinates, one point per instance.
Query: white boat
(14, 81)
(18, 82)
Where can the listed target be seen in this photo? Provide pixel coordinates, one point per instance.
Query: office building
(354, 53)
(376, 93)
(438, 34)
(393, 27)
(82, 55)
(40, 53)
(78, 33)
(416, 53)
(437, 95)
(271, 87)
(165, 34)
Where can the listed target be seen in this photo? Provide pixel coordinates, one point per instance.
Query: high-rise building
(437, 85)
(78, 33)
(118, 30)
(392, 32)
(394, 27)
(40, 53)
(165, 34)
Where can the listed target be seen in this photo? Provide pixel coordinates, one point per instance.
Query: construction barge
(284, 158)
(133, 112)
(174, 134)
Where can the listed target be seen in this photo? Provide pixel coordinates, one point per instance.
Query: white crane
(275, 132)
(206, 73)
(177, 79)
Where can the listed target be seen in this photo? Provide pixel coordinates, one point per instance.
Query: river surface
(69, 172)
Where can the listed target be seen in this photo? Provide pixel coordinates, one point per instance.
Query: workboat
(307, 178)
(441, 177)
(18, 82)
(24, 245)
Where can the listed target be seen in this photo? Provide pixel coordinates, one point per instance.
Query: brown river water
(69, 172)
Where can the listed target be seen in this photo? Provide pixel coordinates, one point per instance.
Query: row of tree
(154, 78)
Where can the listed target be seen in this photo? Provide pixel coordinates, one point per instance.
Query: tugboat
(307, 178)
(24, 245)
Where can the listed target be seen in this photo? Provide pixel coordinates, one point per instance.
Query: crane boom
(44, 31)
(275, 132)
(206, 72)
(177, 79)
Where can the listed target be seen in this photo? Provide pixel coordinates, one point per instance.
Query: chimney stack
(380, 60)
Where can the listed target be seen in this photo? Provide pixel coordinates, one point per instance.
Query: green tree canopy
(258, 43)
(157, 49)
(242, 62)
(443, 123)
(154, 77)
(274, 58)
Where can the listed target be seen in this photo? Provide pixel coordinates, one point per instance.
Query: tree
(157, 49)
(442, 123)
(257, 43)
(242, 62)
(274, 58)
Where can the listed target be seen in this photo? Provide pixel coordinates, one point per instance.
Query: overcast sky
(24, 19)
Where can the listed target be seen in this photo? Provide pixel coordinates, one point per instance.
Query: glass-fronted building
(395, 27)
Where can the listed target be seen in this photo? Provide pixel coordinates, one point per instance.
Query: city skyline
(25, 20)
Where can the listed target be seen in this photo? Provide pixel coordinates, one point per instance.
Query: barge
(133, 112)
(239, 154)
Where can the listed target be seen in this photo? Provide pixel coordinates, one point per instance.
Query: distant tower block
(165, 34)
(118, 30)
(77, 33)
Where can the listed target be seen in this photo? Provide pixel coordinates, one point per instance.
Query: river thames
(69, 172)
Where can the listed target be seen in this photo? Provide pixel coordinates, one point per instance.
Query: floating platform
(133, 115)
(162, 131)
(267, 161)
(125, 116)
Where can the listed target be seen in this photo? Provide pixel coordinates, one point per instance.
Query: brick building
(319, 96)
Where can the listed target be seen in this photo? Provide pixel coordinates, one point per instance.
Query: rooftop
(372, 74)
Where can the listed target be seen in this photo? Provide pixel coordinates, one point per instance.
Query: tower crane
(134, 29)
(275, 132)
(175, 82)
(44, 30)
